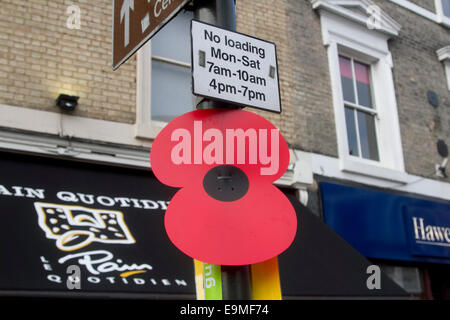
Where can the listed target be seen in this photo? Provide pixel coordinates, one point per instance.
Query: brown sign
(136, 21)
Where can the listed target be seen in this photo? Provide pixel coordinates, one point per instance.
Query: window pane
(171, 91)
(367, 136)
(406, 277)
(351, 132)
(347, 79)
(363, 84)
(446, 8)
(174, 40)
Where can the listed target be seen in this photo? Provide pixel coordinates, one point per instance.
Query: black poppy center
(226, 183)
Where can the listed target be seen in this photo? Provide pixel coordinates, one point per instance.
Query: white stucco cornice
(444, 53)
(364, 12)
(444, 56)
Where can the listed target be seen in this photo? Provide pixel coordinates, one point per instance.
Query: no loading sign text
(233, 67)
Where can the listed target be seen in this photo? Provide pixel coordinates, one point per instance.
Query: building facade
(365, 94)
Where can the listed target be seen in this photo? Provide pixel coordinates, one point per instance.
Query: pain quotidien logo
(75, 227)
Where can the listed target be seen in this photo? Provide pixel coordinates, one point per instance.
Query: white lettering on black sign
(234, 67)
(84, 199)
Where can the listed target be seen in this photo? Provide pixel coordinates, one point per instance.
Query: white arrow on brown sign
(136, 21)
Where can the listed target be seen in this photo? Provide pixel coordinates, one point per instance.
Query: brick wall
(40, 57)
(254, 18)
(417, 70)
(307, 120)
(426, 4)
(306, 88)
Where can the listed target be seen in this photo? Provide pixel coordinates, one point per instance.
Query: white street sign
(233, 67)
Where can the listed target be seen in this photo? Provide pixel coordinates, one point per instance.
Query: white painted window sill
(372, 170)
(148, 130)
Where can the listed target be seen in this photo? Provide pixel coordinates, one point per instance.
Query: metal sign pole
(220, 13)
(236, 284)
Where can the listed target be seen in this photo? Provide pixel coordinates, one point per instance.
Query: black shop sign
(80, 228)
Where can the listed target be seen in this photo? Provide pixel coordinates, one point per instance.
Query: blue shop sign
(388, 226)
(428, 232)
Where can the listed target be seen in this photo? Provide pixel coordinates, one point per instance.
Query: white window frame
(447, 71)
(145, 127)
(342, 35)
(442, 18)
(357, 107)
(444, 56)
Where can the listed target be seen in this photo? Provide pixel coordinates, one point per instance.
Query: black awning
(321, 263)
(106, 221)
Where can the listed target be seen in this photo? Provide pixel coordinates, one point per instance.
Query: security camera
(440, 169)
(442, 149)
(67, 102)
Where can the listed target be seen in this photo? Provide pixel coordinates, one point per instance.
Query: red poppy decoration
(227, 212)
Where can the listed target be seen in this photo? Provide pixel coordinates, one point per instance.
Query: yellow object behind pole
(200, 288)
(266, 280)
